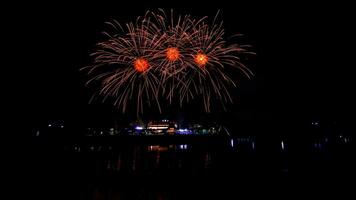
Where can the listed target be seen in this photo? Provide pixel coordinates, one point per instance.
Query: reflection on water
(147, 158)
(231, 153)
(143, 159)
(151, 157)
(178, 170)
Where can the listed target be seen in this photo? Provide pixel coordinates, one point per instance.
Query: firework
(161, 56)
(212, 55)
(124, 65)
(175, 54)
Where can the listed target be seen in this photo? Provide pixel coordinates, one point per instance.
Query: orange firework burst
(141, 65)
(172, 54)
(201, 59)
(121, 66)
(160, 57)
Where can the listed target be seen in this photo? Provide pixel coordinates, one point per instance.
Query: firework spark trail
(162, 56)
(133, 55)
(213, 55)
(174, 51)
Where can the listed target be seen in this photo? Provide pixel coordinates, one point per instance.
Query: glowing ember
(201, 59)
(141, 65)
(172, 54)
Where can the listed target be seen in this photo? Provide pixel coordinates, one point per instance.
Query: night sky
(302, 67)
(303, 85)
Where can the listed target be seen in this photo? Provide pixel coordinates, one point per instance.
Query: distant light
(253, 145)
(77, 148)
(62, 126)
(318, 145)
(232, 142)
(38, 133)
(49, 125)
(315, 123)
(183, 146)
(282, 145)
(139, 128)
(184, 131)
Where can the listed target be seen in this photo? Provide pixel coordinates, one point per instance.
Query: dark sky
(303, 66)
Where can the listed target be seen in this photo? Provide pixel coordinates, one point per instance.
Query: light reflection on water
(148, 158)
(157, 171)
(235, 153)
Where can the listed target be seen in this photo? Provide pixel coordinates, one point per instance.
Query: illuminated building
(161, 127)
(158, 127)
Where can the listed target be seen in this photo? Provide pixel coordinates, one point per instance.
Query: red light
(141, 65)
(201, 59)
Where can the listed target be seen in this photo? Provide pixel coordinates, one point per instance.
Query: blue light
(232, 142)
(184, 131)
(139, 128)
